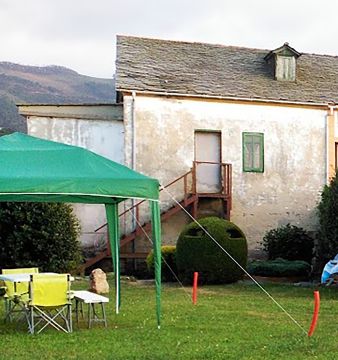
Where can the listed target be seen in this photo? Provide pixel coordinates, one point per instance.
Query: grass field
(229, 322)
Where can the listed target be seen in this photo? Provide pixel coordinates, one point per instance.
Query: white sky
(81, 34)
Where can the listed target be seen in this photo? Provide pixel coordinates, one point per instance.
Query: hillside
(50, 84)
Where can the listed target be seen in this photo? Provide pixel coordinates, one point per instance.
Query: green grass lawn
(229, 322)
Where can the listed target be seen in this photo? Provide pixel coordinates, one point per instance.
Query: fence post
(194, 289)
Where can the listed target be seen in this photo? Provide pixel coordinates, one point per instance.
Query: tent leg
(114, 239)
(156, 234)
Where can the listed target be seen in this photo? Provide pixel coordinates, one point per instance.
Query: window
(253, 152)
(286, 68)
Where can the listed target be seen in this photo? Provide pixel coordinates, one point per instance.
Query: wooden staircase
(189, 202)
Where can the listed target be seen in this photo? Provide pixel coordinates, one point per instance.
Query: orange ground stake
(194, 288)
(315, 313)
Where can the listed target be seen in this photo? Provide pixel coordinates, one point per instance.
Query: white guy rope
(169, 267)
(234, 260)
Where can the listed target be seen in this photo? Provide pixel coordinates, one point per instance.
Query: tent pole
(156, 235)
(114, 238)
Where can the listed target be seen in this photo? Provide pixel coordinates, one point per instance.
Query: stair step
(100, 256)
(164, 216)
(189, 182)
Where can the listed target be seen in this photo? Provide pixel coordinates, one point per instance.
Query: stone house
(247, 134)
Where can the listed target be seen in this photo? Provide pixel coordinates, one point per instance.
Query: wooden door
(208, 161)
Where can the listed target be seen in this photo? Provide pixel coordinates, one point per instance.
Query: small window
(286, 68)
(253, 152)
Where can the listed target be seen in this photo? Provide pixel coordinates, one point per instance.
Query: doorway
(208, 161)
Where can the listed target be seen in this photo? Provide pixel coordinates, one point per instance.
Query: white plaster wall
(102, 137)
(295, 154)
(105, 138)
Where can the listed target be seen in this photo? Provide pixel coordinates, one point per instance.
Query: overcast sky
(81, 34)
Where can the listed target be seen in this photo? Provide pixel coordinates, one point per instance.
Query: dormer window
(284, 61)
(285, 68)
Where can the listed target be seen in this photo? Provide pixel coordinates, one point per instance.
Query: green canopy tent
(36, 170)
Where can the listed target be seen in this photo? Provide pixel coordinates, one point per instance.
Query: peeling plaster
(294, 175)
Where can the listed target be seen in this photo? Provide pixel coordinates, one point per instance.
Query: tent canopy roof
(33, 169)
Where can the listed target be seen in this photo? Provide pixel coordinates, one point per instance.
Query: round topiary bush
(196, 251)
(168, 258)
(39, 234)
(288, 242)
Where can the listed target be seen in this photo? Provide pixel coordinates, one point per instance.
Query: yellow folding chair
(16, 293)
(49, 303)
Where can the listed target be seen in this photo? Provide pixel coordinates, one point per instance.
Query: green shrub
(288, 242)
(327, 245)
(279, 267)
(195, 251)
(39, 234)
(168, 258)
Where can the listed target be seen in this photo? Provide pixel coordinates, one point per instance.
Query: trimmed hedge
(39, 234)
(168, 256)
(279, 268)
(288, 242)
(195, 251)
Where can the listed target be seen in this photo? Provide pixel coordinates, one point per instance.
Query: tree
(39, 234)
(326, 246)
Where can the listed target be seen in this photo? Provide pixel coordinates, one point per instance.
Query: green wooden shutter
(253, 152)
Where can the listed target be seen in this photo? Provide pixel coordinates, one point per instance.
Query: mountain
(46, 85)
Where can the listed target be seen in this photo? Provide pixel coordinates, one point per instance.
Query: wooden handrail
(176, 180)
(184, 176)
(190, 197)
(226, 186)
(226, 171)
(208, 162)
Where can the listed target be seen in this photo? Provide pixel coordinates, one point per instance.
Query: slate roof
(176, 67)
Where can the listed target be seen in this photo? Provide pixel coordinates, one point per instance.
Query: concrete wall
(295, 155)
(96, 128)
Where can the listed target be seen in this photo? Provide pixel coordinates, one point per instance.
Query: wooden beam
(133, 255)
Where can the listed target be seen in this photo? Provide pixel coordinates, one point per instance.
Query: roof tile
(175, 67)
